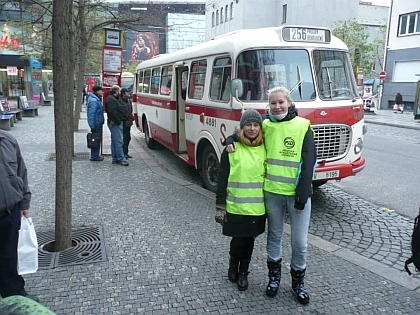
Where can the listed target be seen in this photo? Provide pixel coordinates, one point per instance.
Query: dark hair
(97, 88)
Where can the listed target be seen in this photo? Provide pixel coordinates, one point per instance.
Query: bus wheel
(151, 143)
(318, 184)
(209, 168)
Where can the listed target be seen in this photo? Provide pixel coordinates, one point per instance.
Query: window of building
(212, 19)
(284, 13)
(197, 79)
(409, 23)
(231, 10)
(221, 15)
(220, 79)
(217, 17)
(146, 81)
(166, 80)
(154, 82)
(226, 13)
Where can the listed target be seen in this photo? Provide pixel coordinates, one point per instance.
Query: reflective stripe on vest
(284, 142)
(245, 194)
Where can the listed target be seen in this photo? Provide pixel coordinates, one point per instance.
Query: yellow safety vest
(245, 194)
(284, 150)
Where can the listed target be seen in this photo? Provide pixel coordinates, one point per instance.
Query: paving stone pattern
(166, 255)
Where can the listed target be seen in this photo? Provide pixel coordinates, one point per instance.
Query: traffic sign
(382, 75)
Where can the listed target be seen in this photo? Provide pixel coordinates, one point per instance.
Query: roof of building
(373, 15)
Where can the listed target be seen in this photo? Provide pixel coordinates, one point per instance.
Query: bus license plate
(326, 175)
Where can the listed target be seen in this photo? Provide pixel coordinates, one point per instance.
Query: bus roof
(240, 40)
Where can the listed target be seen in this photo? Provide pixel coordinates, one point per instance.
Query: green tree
(355, 36)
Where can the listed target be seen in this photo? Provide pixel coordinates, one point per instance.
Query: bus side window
(220, 79)
(197, 79)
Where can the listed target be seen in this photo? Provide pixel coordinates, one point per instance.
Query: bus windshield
(334, 75)
(262, 70)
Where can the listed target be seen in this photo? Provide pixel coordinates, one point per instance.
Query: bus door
(181, 93)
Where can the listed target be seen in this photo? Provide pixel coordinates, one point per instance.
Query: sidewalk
(389, 118)
(165, 254)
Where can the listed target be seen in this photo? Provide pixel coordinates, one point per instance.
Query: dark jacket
(114, 110)
(95, 113)
(14, 178)
(235, 225)
(127, 108)
(398, 99)
(308, 161)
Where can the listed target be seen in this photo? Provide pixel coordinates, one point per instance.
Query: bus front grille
(332, 141)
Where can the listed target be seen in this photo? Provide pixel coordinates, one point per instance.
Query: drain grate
(89, 248)
(78, 156)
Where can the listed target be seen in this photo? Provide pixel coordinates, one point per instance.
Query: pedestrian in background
(96, 120)
(85, 94)
(399, 105)
(240, 198)
(115, 114)
(291, 160)
(127, 107)
(15, 199)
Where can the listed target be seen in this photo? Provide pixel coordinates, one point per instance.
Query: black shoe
(233, 269)
(128, 156)
(98, 159)
(123, 163)
(243, 281)
(114, 162)
(274, 276)
(298, 286)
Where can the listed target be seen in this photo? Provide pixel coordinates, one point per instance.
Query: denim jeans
(117, 142)
(94, 152)
(276, 208)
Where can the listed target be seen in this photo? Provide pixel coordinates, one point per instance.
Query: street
(391, 178)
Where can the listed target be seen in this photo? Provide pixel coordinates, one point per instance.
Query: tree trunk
(81, 63)
(63, 67)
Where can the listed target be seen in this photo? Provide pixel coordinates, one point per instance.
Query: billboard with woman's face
(141, 46)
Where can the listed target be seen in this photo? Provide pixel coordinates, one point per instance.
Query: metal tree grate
(78, 156)
(89, 248)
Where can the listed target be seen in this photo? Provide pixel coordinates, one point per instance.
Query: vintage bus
(184, 101)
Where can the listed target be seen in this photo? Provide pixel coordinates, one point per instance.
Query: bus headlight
(358, 146)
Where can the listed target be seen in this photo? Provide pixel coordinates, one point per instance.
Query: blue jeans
(117, 143)
(94, 152)
(276, 207)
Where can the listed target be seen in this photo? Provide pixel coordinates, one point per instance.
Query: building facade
(402, 56)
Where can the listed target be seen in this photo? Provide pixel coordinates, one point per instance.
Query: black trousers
(126, 139)
(242, 247)
(10, 282)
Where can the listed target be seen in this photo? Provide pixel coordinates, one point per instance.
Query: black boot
(298, 286)
(233, 269)
(274, 276)
(243, 274)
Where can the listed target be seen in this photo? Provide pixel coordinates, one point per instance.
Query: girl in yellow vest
(291, 160)
(240, 197)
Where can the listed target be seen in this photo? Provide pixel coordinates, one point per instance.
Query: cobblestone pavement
(166, 255)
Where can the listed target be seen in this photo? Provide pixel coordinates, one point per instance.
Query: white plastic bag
(27, 248)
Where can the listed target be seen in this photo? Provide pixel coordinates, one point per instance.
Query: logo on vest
(289, 143)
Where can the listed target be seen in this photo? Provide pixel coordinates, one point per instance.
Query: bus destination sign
(304, 34)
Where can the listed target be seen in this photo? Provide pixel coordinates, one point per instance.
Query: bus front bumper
(339, 171)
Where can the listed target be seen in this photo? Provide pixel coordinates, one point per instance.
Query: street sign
(382, 75)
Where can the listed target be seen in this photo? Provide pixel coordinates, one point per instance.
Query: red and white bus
(183, 100)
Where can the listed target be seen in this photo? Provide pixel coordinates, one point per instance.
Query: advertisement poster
(111, 60)
(141, 46)
(109, 80)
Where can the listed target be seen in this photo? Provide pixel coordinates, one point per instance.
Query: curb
(391, 274)
(391, 124)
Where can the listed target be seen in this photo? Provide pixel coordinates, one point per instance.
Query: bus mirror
(236, 88)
